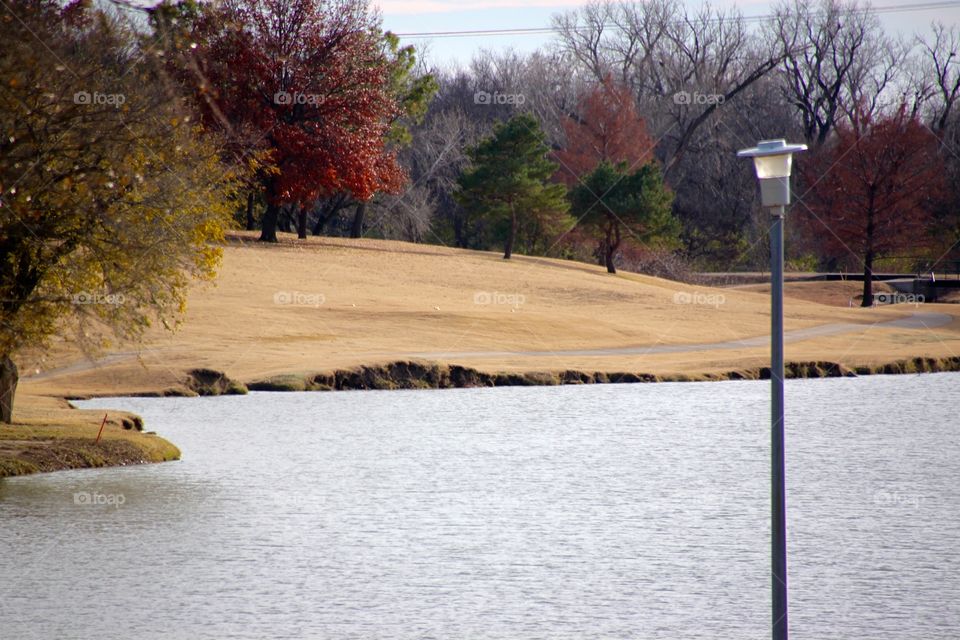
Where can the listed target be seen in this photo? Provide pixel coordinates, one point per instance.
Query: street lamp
(773, 160)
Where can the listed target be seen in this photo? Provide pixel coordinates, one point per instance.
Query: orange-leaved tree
(606, 127)
(304, 83)
(872, 189)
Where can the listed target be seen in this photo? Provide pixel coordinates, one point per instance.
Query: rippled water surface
(617, 511)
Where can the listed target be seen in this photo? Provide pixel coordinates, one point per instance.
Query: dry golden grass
(380, 301)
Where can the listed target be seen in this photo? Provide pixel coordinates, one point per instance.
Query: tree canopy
(613, 201)
(873, 190)
(305, 81)
(606, 127)
(508, 181)
(111, 193)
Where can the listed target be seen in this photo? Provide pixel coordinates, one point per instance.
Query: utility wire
(892, 8)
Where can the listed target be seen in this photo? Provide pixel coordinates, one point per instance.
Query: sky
(417, 16)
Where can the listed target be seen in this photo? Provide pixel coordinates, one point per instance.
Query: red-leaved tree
(303, 85)
(872, 189)
(605, 128)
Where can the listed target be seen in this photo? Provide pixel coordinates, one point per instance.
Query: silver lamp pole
(772, 160)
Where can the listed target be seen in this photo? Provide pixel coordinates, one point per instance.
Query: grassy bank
(328, 304)
(49, 435)
(426, 375)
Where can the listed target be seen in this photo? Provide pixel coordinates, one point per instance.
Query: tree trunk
(251, 223)
(356, 231)
(268, 232)
(284, 219)
(321, 222)
(512, 236)
(611, 244)
(8, 388)
(868, 261)
(302, 223)
(868, 280)
(608, 260)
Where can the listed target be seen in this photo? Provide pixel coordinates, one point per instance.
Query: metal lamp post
(772, 160)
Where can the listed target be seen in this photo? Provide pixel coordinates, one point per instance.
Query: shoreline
(65, 439)
(412, 374)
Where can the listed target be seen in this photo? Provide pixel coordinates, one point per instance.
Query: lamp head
(773, 161)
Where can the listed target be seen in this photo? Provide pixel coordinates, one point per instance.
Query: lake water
(615, 511)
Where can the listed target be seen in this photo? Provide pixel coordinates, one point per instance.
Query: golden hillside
(326, 303)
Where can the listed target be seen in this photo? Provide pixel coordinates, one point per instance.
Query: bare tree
(622, 39)
(710, 59)
(434, 162)
(715, 195)
(825, 42)
(553, 84)
(939, 52)
(872, 83)
(683, 66)
(586, 34)
(406, 216)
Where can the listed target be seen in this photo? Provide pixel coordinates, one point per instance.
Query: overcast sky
(415, 16)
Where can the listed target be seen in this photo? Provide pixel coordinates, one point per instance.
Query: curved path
(83, 365)
(925, 320)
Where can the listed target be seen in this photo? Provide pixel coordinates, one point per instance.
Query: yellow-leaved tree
(111, 196)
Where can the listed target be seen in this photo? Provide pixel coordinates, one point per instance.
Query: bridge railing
(922, 266)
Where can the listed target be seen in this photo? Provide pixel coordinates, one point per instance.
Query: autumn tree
(306, 81)
(412, 89)
(873, 188)
(508, 181)
(614, 200)
(111, 197)
(693, 70)
(413, 92)
(606, 127)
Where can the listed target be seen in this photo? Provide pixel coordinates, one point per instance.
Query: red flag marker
(97, 441)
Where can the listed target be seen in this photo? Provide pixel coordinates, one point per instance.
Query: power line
(893, 8)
